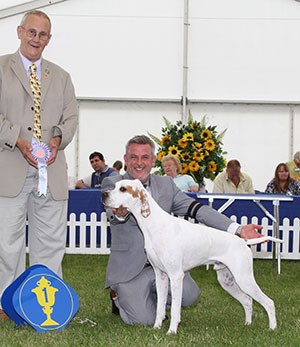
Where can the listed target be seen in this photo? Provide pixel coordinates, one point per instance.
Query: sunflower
(194, 166)
(182, 143)
(199, 156)
(212, 166)
(184, 168)
(209, 145)
(185, 156)
(188, 137)
(195, 125)
(197, 146)
(206, 134)
(160, 155)
(164, 139)
(173, 150)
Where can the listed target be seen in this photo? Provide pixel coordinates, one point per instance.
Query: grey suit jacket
(128, 257)
(58, 108)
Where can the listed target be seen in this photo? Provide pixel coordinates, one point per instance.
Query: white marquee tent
(133, 61)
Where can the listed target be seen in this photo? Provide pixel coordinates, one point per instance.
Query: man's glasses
(31, 33)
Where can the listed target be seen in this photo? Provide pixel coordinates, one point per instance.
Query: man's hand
(121, 211)
(54, 145)
(26, 149)
(250, 231)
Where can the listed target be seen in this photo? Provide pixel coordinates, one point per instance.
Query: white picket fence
(89, 245)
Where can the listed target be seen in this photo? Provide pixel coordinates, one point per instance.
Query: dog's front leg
(162, 284)
(176, 282)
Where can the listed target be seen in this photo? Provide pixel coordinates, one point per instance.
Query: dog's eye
(123, 189)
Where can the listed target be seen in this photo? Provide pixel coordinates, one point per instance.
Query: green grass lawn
(215, 320)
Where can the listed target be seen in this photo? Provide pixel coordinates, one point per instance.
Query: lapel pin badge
(46, 74)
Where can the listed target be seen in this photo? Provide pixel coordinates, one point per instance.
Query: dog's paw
(157, 326)
(171, 331)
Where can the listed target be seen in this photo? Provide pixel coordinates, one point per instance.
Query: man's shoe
(114, 308)
(3, 315)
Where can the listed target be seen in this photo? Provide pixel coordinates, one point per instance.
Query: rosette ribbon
(41, 152)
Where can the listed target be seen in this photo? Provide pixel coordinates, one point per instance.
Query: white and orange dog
(174, 246)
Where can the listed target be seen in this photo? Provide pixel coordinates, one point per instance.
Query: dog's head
(130, 194)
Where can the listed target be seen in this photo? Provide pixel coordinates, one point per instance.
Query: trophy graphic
(46, 298)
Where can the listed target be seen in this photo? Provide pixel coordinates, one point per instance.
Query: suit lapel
(46, 78)
(19, 70)
(154, 188)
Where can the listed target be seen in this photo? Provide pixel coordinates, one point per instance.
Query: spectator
(282, 183)
(172, 167)
(294, 167)
(24, 126)
(129, 275)
(101, 171)
(118, 165)
(233, 181)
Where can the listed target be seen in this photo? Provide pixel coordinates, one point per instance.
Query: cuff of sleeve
(232, 228)
(122, 219)
(56, 132)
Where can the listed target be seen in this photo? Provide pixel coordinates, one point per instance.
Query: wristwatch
(239, 230)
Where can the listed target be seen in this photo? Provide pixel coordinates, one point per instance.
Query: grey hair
(174, 159)
(35, 13)
(297, 156)
(141, 140)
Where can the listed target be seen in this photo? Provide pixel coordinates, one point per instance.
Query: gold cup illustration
(46, 298)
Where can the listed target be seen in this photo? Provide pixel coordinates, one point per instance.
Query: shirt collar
(104, 170)
(27, 64)
(146, 184)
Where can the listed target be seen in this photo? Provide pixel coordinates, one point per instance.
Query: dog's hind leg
(176, 282)
(162, 284)
(250, 287)
(228, 283)
(242, 270)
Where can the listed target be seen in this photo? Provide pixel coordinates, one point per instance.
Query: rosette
(41, 152)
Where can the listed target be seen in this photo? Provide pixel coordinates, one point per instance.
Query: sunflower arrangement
(196, 144)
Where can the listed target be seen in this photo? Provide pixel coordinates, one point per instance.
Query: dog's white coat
(174, 246)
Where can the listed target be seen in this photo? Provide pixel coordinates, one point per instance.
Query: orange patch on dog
(134, 193)
(145, 205)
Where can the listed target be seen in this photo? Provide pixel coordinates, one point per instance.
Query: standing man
(101, 170)
(25, 122)
(129, 275)
(294, 167)
(233, 181)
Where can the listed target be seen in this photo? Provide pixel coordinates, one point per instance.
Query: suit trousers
(137, 298)
(47, 225)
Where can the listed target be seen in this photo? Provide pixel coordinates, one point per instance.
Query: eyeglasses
(31, 33)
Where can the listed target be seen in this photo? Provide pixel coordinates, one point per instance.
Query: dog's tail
(263, 239)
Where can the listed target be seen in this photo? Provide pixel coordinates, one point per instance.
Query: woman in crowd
(282, 183)
(172, 167)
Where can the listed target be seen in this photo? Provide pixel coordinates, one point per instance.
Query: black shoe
(114, 308)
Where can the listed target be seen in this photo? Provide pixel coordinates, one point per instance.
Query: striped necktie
(36, 92)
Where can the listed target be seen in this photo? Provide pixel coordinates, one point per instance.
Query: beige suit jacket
(58, 108)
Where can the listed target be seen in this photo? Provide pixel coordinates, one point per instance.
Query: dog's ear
(145, 209)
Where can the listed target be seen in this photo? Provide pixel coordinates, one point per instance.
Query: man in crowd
(294, 167)
(101, 170)
(129, 276)
(233, 181)
(37, 108)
